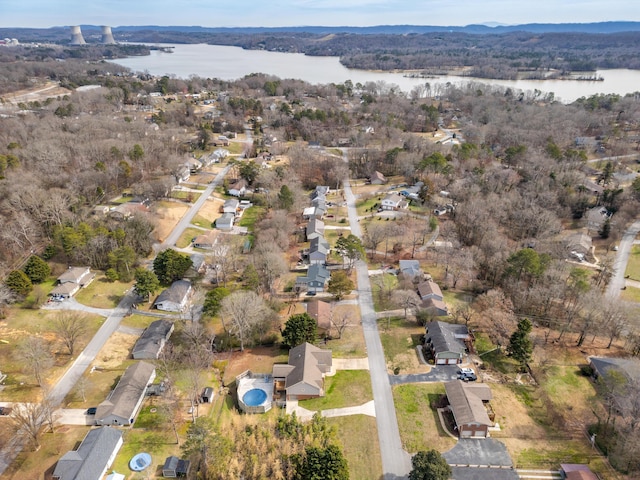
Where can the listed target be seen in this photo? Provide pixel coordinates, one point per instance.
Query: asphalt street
(396, 462)
(617, 281)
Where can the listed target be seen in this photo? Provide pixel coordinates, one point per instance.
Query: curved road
(396, 463)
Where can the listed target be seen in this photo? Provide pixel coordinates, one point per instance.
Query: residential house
(198, 265)
(101, 210)
(314, 229)
(393, 201)
(432, 299)
(318, 250)
(72, 280)
(447, 342)
(207, 395)
(239, 188)
(628, 368)
(175, 467)
(315, 280)
(183, 173)
(92, 458)
(174, 298)
(321, 312)
(595, 217)
(377, 178)
(206, 241)
(410, 269)
(315, 211)
(123, 403)
(225, 222)
(303, 377)
(467, 404)
(193, 165)
(152, 341)
(575, 471)
(221, 141)
(231, 206)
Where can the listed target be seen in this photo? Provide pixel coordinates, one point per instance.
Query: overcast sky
(271, 13)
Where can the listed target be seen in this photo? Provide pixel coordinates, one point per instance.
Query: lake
(231, 63)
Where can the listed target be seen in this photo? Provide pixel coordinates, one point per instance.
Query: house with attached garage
(303, 376)
(206, 241)
(467, 403)
(318, 250)
(72, 280)
(123, 403)
(225, 222)
(447, 343)
(393, 201)
(152, 341)
(92, 458)
(174, 298)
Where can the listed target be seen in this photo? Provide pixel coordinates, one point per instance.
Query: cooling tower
(76, 36)
(107, 36)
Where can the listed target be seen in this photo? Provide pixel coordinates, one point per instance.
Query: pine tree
(520, 345)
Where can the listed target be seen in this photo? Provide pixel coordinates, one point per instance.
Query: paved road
(617, 281)
(396, 463)
(185, 221)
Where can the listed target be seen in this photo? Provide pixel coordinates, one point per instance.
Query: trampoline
(140, 461)
(254, 397)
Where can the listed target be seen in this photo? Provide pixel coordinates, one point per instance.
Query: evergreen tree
(321, 464)
(147, 283)
(18, 282)
(299, 329)
(520, 345)
(37, 269)
(170, 266)
(340, 284)
(285, 197)
(213, 300)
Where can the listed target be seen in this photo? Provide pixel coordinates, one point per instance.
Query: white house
(174, 298)
(394, 201)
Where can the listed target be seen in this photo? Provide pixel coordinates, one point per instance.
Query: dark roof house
(175, 467)
(93, 457)
(315, 280)
(152, 340)
(446, 342)
(124, 402)
(576, 471)
(628, 367)
(174, 298)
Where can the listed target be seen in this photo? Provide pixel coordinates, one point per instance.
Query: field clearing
(258, 360)
(210, 211)
(101, 293)
(399, 343)
(633, 266)
(167, 215)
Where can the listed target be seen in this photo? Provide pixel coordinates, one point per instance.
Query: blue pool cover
(139, 462)
(254, 397)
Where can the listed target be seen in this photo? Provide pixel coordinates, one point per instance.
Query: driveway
(485, 452)
(73, 416)
(439, 373)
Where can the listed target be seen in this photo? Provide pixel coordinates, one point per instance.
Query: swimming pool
(254, 397)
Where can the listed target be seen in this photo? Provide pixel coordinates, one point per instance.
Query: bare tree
(405, 299)
(243, 310)
(69, 326)
(28, 419)
(36, 355)
(340, 318)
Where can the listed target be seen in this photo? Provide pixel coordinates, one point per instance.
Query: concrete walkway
(351, 363)
(305, 415)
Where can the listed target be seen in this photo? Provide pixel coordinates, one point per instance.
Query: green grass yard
(347, 388)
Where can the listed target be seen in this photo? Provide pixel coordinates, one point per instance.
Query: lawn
(251, 216)
(399, 343)
(351, 345)
(190, 197)
(102, 293)
(185, 239)
(137, 320)
(201, 221)
(159, 444)
(633, 266)
(347, 388)
(381, 288)
(369, 205)
(630, 294)
(419, 424)
(358, 435)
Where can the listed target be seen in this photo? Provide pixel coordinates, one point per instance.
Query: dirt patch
(37, 94)
(258, 360)
(211, 210)
(115, 351)
(167, 215)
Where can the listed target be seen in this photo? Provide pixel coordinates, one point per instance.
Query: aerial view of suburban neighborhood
(268, 278)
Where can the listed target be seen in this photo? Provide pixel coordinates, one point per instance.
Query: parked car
(467, 377)
(91, 410)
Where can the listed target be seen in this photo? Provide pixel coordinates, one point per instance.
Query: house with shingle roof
(432, 299)
(152, 341)
(321, 312)
(446, 342)
(303, 376)
(72, 280)
(123, 403)
(318, 250)
(174, 298)
(467, 404)
(314, 229)
(93, 457)
(315, 280)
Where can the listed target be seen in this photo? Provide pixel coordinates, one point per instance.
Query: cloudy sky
(269, 13)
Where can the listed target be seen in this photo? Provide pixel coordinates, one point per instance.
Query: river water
(231, 63)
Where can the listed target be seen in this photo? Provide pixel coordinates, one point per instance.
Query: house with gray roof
(467, 404)
(123, 403)
(225, 221)
(410, 269)
(315, 280)
(231, 206)
(629, 368)
(152, 341)
(72, 280)
(318, 250)
(303, 376)
(92, 459)
(174, 298)
(446, 342)
(314, 229)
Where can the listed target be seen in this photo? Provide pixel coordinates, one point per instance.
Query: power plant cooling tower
(107, 36)
(76, 36)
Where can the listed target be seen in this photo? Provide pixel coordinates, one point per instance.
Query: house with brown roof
(303, 376)
(321, 312)
(123, 403)
(432, 299)
(72, 280)
(377, 178)
(206, 241)
(467, 404)
(576, 471)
